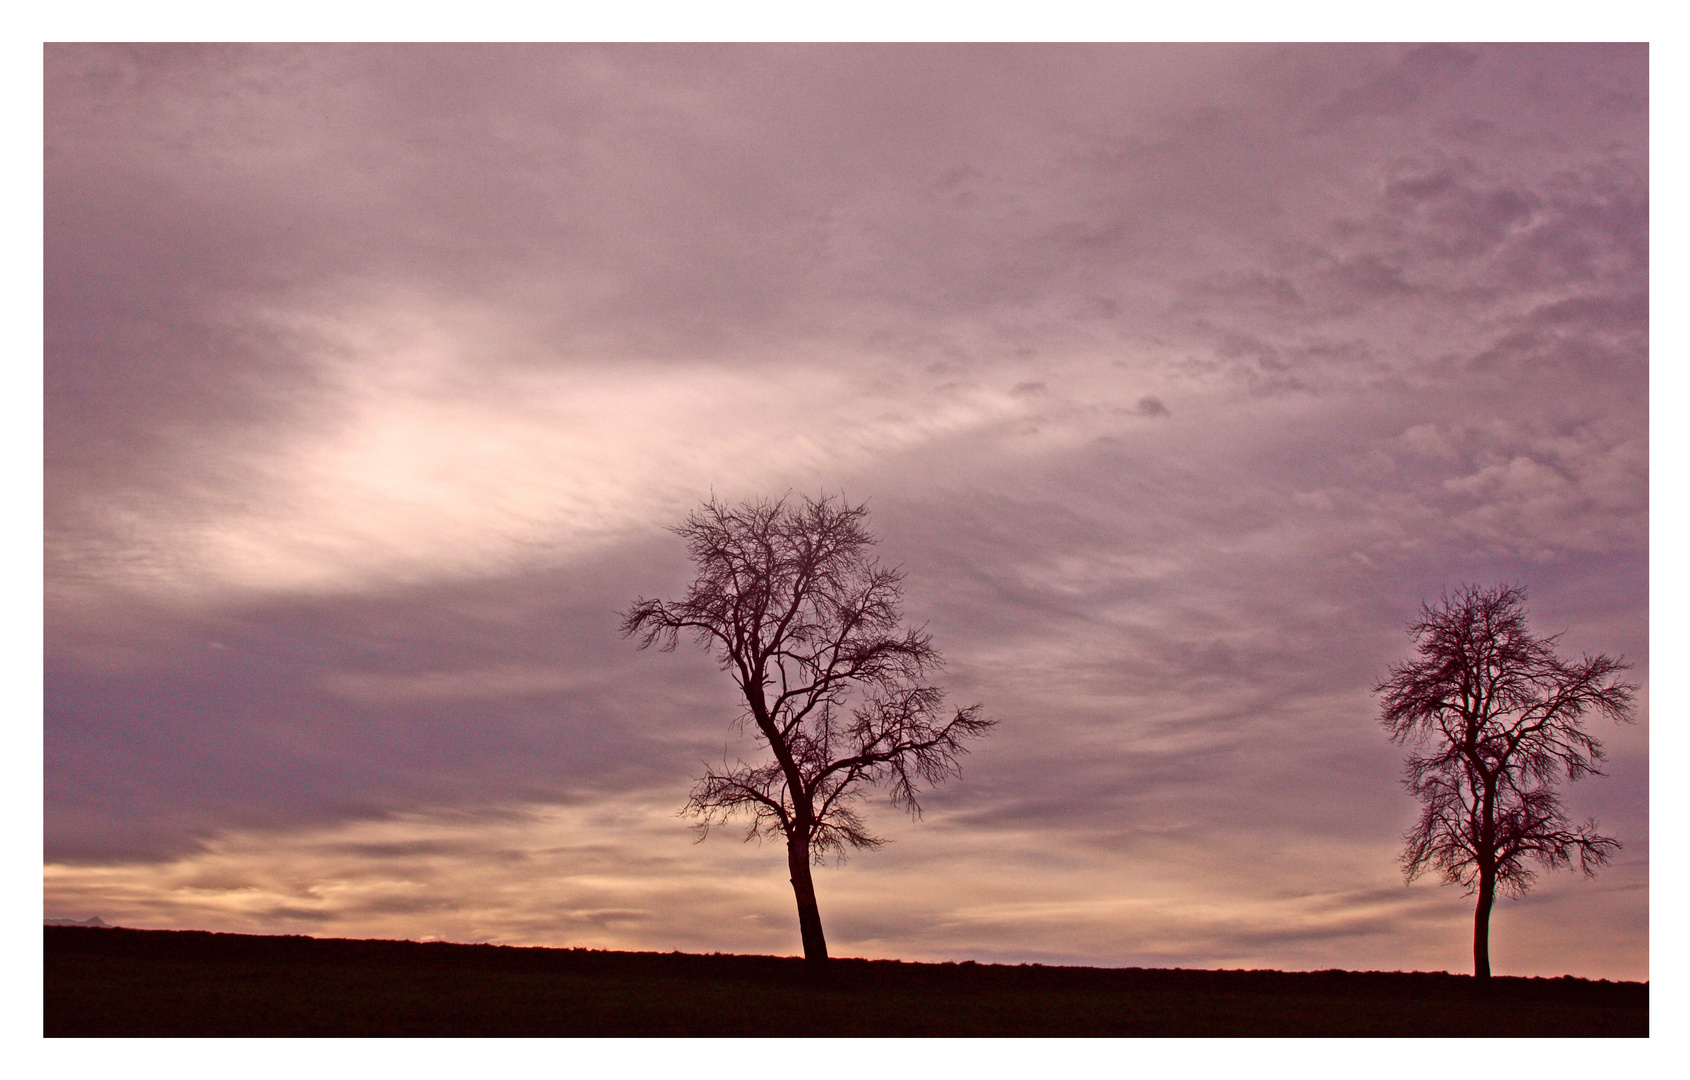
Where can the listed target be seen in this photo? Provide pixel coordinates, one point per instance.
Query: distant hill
(95, 921)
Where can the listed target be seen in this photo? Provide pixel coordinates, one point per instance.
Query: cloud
(375, 375)
(546, 877)
(415, 468)
(1532, 491)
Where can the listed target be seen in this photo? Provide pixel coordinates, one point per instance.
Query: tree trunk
(1481, 925)
(809, 916)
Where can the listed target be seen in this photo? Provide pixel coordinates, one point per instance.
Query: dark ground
(191, 983)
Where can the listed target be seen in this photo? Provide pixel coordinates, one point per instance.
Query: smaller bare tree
(1494, 716)
(807, 625)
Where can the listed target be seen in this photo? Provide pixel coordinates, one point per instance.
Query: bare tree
(806, 623)
(1494, 717)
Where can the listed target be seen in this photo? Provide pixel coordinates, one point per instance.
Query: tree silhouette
(806, 623)
(1494, 717)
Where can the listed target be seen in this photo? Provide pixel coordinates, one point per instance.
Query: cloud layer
(1176, 377)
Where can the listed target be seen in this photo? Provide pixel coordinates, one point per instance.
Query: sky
(1174, 377)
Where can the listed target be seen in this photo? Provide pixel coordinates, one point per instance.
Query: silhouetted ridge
(189, 982)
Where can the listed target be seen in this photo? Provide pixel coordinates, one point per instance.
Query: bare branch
(1495, 718)
(808, 625)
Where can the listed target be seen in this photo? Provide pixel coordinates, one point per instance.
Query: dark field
(190, 983)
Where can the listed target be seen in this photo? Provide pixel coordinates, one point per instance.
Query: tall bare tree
(807, 624)
(1494, 717)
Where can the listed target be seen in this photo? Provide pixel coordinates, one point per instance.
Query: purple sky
(1176, 377)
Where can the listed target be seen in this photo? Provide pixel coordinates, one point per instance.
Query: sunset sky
(1175, 378)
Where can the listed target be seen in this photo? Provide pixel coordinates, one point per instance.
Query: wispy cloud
(1175, 377)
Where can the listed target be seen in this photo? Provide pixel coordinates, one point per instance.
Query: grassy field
(190, 983)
